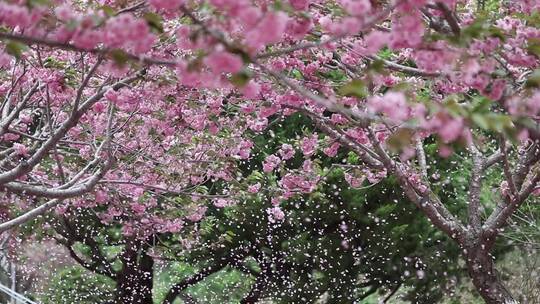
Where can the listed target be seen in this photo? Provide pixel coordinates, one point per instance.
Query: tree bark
(135, 281)
(484, 275)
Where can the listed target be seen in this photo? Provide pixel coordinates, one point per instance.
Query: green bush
(76, 285)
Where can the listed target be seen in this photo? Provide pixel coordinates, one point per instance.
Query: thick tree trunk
(484, 276)
(135, 281)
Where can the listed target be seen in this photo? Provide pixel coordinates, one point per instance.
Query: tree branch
(28, 40)
(475, 188)
(26, 166)
(426, 201)
(450, 18)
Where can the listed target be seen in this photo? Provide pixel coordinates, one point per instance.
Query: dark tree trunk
(135, 281)
(484, 275)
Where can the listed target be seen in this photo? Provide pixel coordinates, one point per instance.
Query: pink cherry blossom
(309, 145)
(223, 62)
(275, 214)
(269, 30)
(332, 149)
(451, 130)
(393, 104)
(166, 4)
(356, 7)
(20, 149)
(299, 4)
(270, 163)
(287, 151)
(254, 188)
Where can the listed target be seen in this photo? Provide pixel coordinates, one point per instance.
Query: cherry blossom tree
(119, 103)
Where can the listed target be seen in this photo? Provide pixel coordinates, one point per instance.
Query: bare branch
(475, 188)
(26, 166)
(421, 155)
(65, 189)
(4, 124)
(30, 215)
(450, 18)
(499, 218)
(426, 201)
(405, 69)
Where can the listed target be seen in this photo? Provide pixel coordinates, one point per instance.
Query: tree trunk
(135, 281)
(484, 275)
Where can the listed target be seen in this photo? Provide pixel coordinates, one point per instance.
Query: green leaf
(109, 11)
(534, 80)
(355, 88)
(475, 30)
(240, 79)
(497, 32)
(385, 53)
(492, 121)
(155, 21)
(386, 210)
(480, 120)
(352, 158)
(399, 139)
(34, 3)
(15, 48)
(533, 46)
(453, 107)
(481, 104)
(119, 57)
(297, 74)
(376, 66)
(398, 230)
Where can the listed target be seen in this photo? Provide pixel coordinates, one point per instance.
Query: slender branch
(84, 84)
(162, 189)
(360, 117)
(426, 200)
(94, 267)
(4, 124)
(28, 40)
(392, 293)
(132, 8)
(192, 280)
(30, 215)
(450, 18)
(368, 25)
(27, 165)
(366, 154)
(493, 159)
(405, 69)
(498, 220)
(59, 193)
(34, 213)
(298, 47)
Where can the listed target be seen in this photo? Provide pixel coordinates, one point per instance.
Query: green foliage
(337, 237)
(15, 48)
(355, 88)
(119, 57)
(534, 80)
(155, 21)
(227, 286)
(240, 79)
(76, 285)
